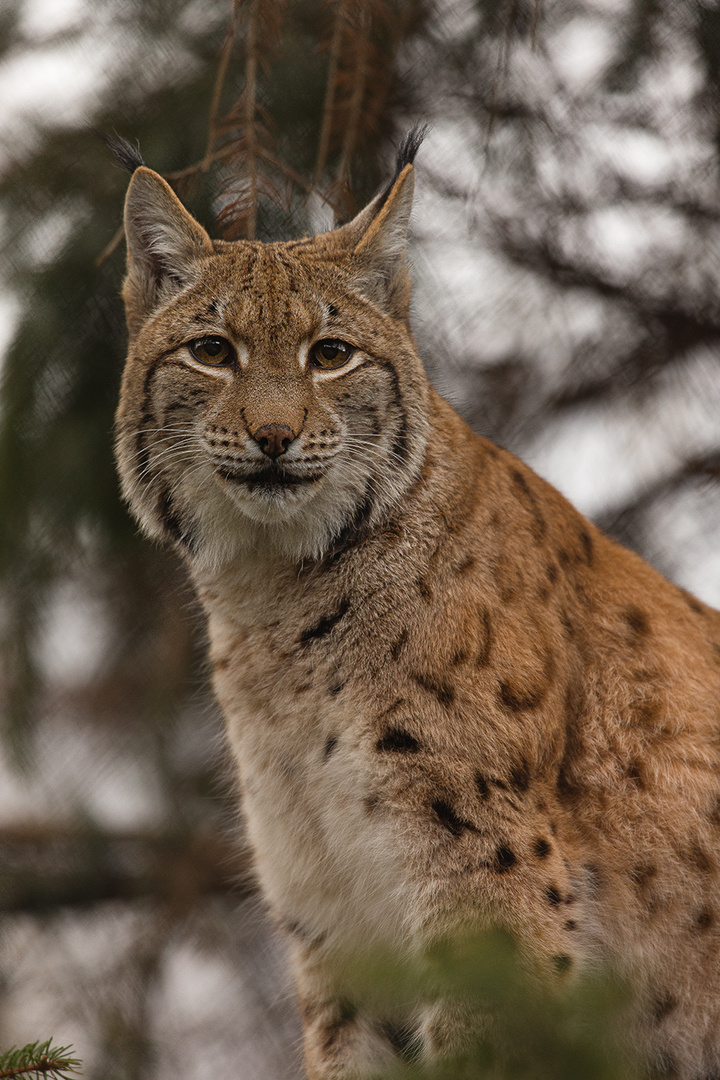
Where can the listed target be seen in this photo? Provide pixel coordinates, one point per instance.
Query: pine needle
(39, 1059)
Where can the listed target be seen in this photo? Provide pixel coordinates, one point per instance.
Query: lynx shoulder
(452, 701)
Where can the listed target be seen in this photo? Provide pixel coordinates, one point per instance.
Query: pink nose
(274, 439)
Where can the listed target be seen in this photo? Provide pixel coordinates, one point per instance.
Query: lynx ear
(164, 244)
(378, 257)
(377, 237)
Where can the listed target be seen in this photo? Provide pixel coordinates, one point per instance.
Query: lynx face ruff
(452, 701)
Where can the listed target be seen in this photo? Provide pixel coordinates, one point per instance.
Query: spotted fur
(452, 701)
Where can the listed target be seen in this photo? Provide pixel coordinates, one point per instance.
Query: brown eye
(211, 350)
(331, 353)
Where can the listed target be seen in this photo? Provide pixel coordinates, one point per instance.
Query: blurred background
(566, 264)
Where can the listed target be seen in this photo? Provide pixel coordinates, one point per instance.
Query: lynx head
(272, 395)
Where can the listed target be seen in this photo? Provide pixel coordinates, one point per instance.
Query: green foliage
(39, 1059)
(523, 1024)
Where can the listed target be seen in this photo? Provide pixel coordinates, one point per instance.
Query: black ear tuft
(128, 155)
(409, 147)
(407, 150)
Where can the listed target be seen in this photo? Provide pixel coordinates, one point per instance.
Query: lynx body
(453, 703)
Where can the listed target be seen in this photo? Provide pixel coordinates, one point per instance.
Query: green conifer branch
(38, 1059)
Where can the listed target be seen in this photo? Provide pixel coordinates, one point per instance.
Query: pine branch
(537, 17)
(250, 118)
(38, 1059)
(331, 91)
(362, 49)
(225, 52)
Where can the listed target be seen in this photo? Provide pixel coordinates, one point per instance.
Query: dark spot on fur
(171, 523)
(466, 566)
(553, 896)
(541, 848)
(520, 700)
(441, 689)
(714, 812)
(398, 741)
(459, 656)
(644, 674)
(325, 625)
(397, 647)
(403, 1039)
(424, 590)
(552, 573)
(330, 745)
(519, 778)
(482, 785)
(663, 1005)
(302, 934)
(371, 803)
(332, 311)
(486, 636)
(692, 602)
(641, 874)
(570, 924)
(334, 1028)
(563, 557)
(637, 623)
(505, 859)
(704, 919)
(392, 708)
(635, 773)
(354, 530)
(562, 962)
(449, 819)
(567, 785)
(695, 856)
(335, 688)
(587, 546)
(221, 664)
(646, 712)
(539, 525)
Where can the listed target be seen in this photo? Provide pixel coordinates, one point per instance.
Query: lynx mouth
(268, 480)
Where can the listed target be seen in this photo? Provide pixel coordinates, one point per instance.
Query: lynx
(453, 702)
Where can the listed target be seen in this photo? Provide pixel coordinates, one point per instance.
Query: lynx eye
(211, 350)
(331, 353)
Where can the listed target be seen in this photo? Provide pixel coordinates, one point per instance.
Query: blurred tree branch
(45, 866)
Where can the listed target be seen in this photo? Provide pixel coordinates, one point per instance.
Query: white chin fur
(269, 506)
(295, 524)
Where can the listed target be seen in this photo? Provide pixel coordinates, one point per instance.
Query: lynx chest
(300, 705)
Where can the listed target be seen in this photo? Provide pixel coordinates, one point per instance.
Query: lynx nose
(274, 439)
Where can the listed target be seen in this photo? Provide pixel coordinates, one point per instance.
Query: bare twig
(108, 250)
